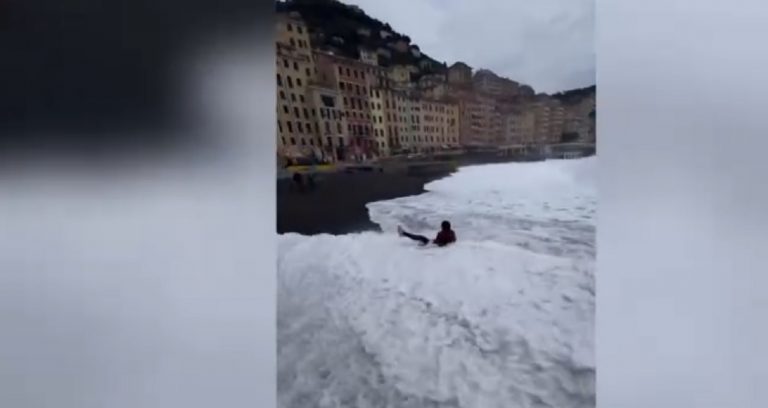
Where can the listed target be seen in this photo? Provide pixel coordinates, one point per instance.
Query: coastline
(337, 205)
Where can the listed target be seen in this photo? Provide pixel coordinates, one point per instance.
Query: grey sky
(548, 44)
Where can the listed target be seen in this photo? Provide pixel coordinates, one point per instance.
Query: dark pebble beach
(337, 203)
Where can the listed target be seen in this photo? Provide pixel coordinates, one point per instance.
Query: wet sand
(337, 204)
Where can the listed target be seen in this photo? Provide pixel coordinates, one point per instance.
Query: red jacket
(445, 237)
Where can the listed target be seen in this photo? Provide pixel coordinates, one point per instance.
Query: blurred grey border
(682, 141)
(137, 207)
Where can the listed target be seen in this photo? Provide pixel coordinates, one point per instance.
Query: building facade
(297, 127)
(487, 82)
(331, 123)
(519, 127)
(352, 79)
(460, 74)
(550, 120)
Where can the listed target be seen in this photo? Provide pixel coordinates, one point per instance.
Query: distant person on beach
(444, 237)
(298, 181)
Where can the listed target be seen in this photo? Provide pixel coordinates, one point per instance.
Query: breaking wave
(503, 318)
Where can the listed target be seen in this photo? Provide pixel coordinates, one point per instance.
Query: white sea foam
(503, 318)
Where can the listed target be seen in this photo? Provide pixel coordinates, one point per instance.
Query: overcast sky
(548, 44)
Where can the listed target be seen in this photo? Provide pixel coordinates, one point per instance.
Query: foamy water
(503, 318)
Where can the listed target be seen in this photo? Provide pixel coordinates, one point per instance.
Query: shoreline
(337, 205)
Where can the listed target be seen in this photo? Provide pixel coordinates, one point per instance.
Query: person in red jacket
(444, 237)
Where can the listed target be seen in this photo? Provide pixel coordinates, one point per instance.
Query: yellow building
(550, 120)
(380, 120)
(519, 127)
(440, 125)
(401, 75)
(332, 125)
(297, 126)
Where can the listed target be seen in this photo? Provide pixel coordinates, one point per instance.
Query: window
(296, 65)
(301, 97)
(341, 85)
(354, 72)
(341, 72)
(327, 127)
(338, 127)
(377, 94)
(298, 81)
(296, 112)
(279, 80)
(285, 109)
(330, 141)
(311, 142)
(280, 127)
(348, 73)
(293, 97)
(290, 81)
(290, 130)
(322, 113)
(357, 89)
(303, 142)
(286, 63)
(309, 127)
(290, 27)
(301, 127)
(306, 113)
(314, 113)
(341, 142)
(309, 72)
(283, 140)
(293, 141)
(293, 42)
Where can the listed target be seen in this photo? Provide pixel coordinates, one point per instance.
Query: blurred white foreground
(504, 318)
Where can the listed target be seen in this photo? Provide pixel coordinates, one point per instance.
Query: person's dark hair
(445, 225)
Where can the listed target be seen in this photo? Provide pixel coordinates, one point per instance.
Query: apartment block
(378, 98)
(519, 127)
(297, 128)
(550, 120)
(332, 125)
(439, 125)
(352, 79)
(460, 74)
(487, 82)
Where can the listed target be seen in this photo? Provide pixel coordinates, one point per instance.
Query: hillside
(335, 26)
(574, 96)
